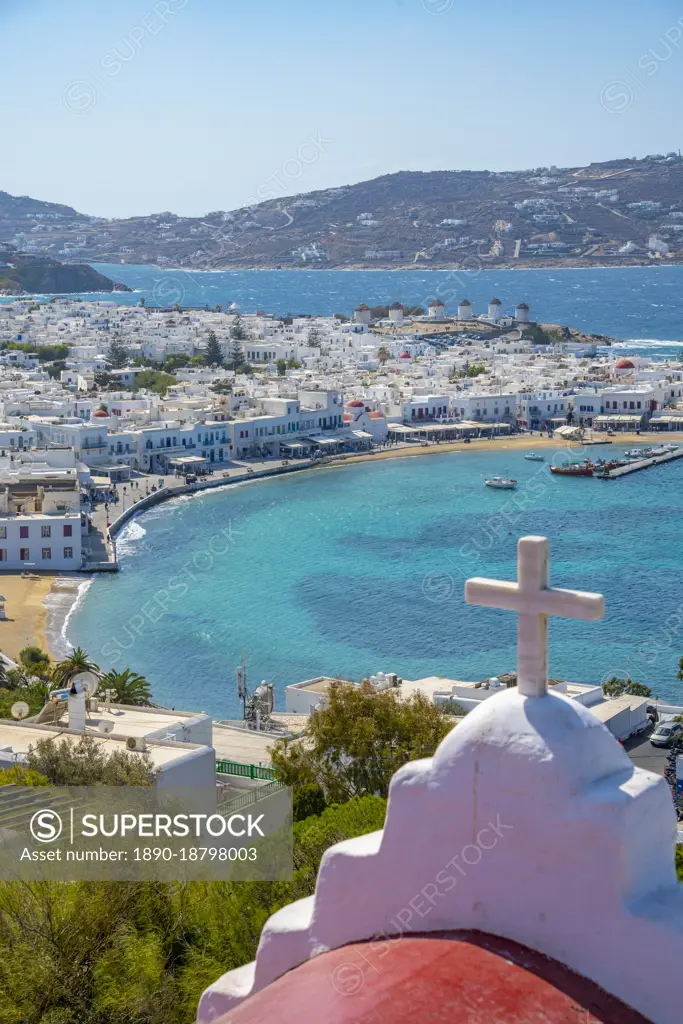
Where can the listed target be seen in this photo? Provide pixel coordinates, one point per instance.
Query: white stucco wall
(529, 822)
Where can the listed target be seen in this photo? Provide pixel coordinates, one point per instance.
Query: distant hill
(616, 213)
(21, 274)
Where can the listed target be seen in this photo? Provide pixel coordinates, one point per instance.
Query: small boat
(585, 468)
(502, 483)
(534, 457)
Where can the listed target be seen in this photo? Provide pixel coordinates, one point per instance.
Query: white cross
(534, 600)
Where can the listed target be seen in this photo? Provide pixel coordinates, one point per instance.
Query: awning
(328, 440)
(362, 434)
(100, 481)
(618, 418)
(187, 460)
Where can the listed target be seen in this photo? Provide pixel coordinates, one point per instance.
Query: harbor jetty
(635, 467)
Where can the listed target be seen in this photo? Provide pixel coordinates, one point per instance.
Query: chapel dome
(100, 414)
(522, 741)
(355, 404)
(625, 364)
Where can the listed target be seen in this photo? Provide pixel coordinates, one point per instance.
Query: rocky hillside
(616, 213)
(21, 274)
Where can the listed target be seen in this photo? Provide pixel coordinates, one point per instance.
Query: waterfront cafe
(668, 421)
(185, 464)
(618, 421)
(445, 431)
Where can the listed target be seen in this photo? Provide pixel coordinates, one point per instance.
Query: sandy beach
(25, 611)
(519, 442)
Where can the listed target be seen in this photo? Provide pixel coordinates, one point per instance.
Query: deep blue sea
(643, 306)
(357, 569)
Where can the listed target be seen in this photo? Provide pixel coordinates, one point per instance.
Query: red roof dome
(356, 404)
(101, 414)
(432, 978)
(404, 355)
(625, 364)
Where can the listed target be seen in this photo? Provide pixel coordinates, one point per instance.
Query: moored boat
(574, 468)
(502, 483)
(534, 457)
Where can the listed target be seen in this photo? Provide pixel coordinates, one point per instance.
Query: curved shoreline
(524, 442)
(61, 608)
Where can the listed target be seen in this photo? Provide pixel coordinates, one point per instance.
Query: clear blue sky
(139, 106)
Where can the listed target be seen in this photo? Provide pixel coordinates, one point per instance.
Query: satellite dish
(19, 709)
(105, 726)
(87, 682)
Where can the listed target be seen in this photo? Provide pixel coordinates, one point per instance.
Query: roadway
(644, 755)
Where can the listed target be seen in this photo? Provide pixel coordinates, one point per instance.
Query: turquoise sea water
(354, 570)
(636, 304)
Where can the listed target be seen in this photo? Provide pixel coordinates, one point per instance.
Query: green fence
(246, 771)
(251, 796)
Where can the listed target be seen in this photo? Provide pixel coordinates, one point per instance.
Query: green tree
(293, 364)
(105, 382)
(130, 687)
(174, 362)
(354, 745)
(237, 330)
(155, 381)
(118, 354)
(281, 367)
(77, 662)
(383, 354)
(85, 763)
(34, 693)
(18, 775)
(143, 952)
(35, 661)
(314, 338)
(213, 354)
(615, 687)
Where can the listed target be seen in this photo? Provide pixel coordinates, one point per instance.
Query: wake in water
(129, 538)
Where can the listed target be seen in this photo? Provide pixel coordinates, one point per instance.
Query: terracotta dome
(356, 404)
(625, 364)
(101, 415)
(404, 355)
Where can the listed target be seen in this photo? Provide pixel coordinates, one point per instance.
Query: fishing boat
(638, 453)
(585, 468)
(502, 483)
(534, 457)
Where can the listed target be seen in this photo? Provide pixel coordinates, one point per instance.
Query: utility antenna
(241, 678)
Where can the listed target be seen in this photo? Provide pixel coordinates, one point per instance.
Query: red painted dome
(404, 355)
(356, 404)
(625, 364)
(457, 976)
(100, 414)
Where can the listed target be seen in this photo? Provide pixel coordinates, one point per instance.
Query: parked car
(666, 733)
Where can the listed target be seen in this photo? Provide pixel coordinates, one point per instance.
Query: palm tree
(130, 687)
(76, 663)
(383, 354)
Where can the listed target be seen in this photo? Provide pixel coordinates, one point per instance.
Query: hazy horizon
(193, 105)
